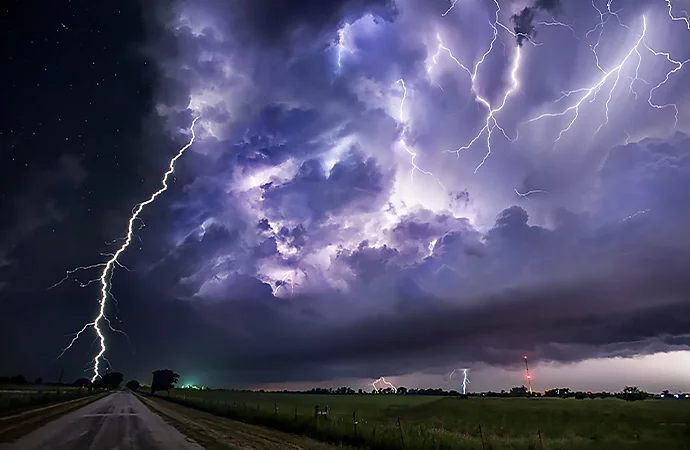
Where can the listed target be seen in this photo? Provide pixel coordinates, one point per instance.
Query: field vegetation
(429, 422)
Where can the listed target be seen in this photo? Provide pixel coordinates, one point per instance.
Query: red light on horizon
(525, 356)
(529, 377)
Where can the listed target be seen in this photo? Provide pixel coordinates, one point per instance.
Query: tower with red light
(529, 377)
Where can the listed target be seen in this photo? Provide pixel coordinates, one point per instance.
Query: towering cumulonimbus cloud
(299, 214)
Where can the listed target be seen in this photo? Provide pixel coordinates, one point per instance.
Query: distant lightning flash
(491, 123)
(384, 382)
(287, 277)
(342, 48)
(465, 379)
(530, 192)
(108, 266)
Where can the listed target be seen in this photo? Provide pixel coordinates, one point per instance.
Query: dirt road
(117, 421)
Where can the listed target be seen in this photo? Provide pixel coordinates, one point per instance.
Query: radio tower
(529, 377)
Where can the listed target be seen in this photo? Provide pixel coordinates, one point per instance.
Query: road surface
(116, 422)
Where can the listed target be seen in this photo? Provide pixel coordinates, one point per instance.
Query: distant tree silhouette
(111, 380)
(163, 380)
(519, 391)
(402, 390)
(82, 382)
(631, 394)
(132, 385)
(17, 379)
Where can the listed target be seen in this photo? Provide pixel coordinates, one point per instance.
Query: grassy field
(422, 422)
(15, 399)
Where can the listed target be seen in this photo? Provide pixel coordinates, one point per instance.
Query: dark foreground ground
(386, 422)
(116, 421)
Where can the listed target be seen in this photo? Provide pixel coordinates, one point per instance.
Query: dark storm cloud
(275, 22)
(355, 183)
(523, 22)
(411, 287)
(619, 312)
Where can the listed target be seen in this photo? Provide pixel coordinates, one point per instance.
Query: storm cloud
(377, 187)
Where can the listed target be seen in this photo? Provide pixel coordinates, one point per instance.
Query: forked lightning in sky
(490, 122)
(383, 381)
(108, 266)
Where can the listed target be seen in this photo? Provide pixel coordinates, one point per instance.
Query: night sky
(373, 188)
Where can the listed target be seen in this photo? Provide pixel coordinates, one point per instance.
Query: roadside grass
(423, 422)
(20, 423)
(15, 399)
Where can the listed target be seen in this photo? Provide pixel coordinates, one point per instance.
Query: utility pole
(529, 377)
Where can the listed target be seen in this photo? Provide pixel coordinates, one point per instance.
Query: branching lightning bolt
(403, 142)
(491, 123)
(105, 278)
(384, 382)
(590, 93)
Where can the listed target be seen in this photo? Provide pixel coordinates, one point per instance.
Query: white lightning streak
(386, 383)
(109, 265)
(593, 90)
(491, 123)
(283, 282)
(530, 192)
(407, 148)
(670, 14)
(452, 5)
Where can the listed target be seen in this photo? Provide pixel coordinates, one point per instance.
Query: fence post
(316, 414)
(275, 409)
(326, 412)
(295, 413)
(541, 443)
(481, 435)
(402, 440)
(354, 420)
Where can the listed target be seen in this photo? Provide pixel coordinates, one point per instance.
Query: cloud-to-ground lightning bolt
(384, 382)
(465, 379)
(108, 266)
(403, 142)
(490, 122)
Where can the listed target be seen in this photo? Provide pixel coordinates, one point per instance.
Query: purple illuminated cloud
(301, 190)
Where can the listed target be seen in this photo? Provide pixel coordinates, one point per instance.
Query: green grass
(15, 399)
(452, 423)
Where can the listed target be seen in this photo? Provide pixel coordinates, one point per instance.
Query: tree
(518, 391)
(111, 380)
(82, 382)
(163, 380)
(132, 385)
(631, 394)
